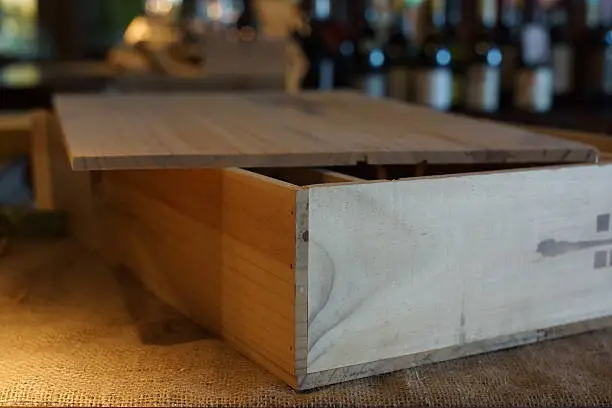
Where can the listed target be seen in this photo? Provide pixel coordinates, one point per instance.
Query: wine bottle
(509, 22)
(247, 22)
(589, 51)
(563, 57)
(483, 79)
(326, 68)
(599, 61)
(458, 50)
(401, 50)
(434, 76)
(343, 47)
(324, 55)
(371, 61)
(534, 80)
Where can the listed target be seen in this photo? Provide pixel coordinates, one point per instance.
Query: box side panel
(414, 266)
(216, 244)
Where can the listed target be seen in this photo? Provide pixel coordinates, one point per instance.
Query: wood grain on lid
(275, 129)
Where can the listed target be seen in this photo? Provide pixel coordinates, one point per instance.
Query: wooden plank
(601, 141)
(304, 176)
(41, 163)
(280, 130)
(14, 135)
(15, 122)
(397, 270)
(219, 245)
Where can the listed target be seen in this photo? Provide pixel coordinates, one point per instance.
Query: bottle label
(434, 88)
(374, 85)
(536, 43)
(508, 67)
(483, 88)
(400, 83)
(534, 89)
(326, 74)
(563, 61)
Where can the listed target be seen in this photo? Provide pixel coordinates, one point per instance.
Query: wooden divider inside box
(327, 273)
(16, 140)
(26, 157)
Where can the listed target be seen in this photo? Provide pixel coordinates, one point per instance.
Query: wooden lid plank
(276, 129)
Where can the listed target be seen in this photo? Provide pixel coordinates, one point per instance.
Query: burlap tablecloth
(73, 334)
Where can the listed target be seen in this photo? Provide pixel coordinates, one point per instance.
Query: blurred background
(542, 62)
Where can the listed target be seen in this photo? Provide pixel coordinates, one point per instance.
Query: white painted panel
(408, 266)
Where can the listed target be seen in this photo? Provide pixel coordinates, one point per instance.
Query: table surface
(275, 129)
(76, 333)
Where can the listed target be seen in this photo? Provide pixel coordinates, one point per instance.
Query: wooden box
(329, 237)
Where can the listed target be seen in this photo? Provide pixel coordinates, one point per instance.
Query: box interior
(305, 176)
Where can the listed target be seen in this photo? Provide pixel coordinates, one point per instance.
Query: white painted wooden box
(364, 238)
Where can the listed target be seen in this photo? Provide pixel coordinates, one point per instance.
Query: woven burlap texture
(66, 339)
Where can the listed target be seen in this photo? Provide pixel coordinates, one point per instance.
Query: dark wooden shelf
(88, 77)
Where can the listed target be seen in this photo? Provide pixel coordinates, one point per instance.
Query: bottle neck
(559, 16)
(436, 16)
(409, 27)
(534, 13)
(511, 14)
(247, 17)
(366, 18)
(400, 25)
(453, 13)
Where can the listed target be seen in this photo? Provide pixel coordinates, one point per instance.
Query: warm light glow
(157, 32)
(21, 75)
(214, 11)
(221, 11)
(27, 7)
(138, 30)
(160, 7)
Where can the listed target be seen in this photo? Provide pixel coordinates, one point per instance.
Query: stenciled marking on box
(601, 258)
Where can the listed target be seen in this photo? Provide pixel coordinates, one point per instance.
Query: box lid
(277, 129)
